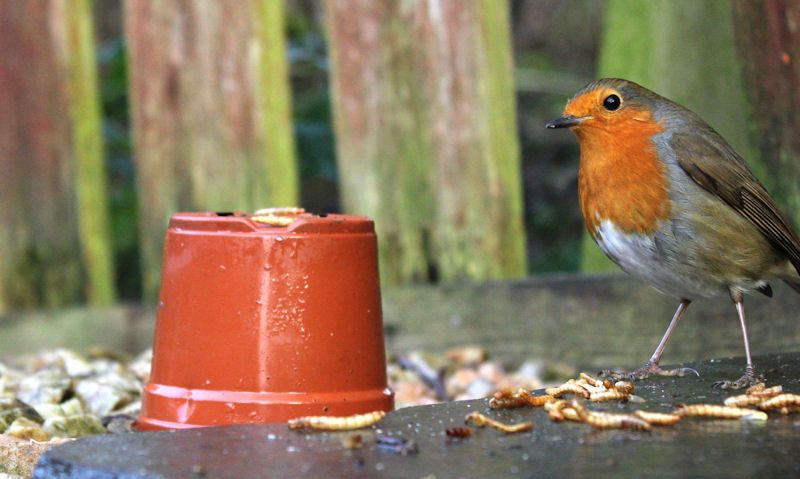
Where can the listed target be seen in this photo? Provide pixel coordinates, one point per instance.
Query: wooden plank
(426, 135)
(597, 321)
(210, 109)
(53, 223)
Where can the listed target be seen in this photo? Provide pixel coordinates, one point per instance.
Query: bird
(670, 202)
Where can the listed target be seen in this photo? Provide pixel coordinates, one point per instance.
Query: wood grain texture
(768, 39)
(426, 135)
(54, 220)
(211, 112)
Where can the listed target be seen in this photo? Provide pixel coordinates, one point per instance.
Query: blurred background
(426, 115)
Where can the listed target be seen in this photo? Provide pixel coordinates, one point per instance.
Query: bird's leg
(750, 378)
(652, 367)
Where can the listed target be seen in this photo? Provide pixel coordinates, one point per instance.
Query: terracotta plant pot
(259, 323)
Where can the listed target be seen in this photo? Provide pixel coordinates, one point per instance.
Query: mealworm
(592, 389)
(767, 392)
(600, 420)
(331, 423)
(721, 412)
(280, 211)
(273, 220)
(789, 409)
(506, 400)
(458, 432)
(535, 401)
(623, 387)
(780, 401)
(610, 395)
(755, 388)
(743, 400)
(480, 420)
(567, 388)
(658, 418)
(558, 410)
(592, 380)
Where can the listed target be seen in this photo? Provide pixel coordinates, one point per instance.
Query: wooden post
(684, 50)
(211, 112)
(54, 231)
(769, 42)
(426, 135)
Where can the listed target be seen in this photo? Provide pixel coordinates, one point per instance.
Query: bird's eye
(611, 102)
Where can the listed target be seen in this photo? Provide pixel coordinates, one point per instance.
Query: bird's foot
(649, 369)
(750, 378)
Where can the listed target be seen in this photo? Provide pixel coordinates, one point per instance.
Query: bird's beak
(566, 121)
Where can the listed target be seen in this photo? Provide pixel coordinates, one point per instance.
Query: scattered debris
(458, 432)
(352, 441)
(397, 445)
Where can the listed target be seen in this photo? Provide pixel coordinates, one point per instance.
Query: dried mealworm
(592, 380)
(535, 401)
(610, 395)
(780, 401)
(768, 392)
(273, 220)
(331, 423)
(506, 400)
(280, 211)
(608, 383)
(592, 389)
(568, 388)
(743, 400)
(480, 420)
(657, 418)
(756, 388)
(624, 387)
(789, 409)
(721, 412)
(458, 432)
(601, 420)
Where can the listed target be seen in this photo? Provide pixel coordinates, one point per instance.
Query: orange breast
(621, 178)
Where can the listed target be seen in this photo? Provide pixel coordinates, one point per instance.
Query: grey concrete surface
(692, 448)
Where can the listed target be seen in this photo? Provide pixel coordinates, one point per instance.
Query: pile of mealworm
(753, 405)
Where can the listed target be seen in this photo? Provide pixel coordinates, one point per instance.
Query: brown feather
(718, 169)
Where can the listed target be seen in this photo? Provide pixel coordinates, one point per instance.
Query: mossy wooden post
(211, 112)
(426, 135)
(769, 41)
(54, 232)
(684, 50)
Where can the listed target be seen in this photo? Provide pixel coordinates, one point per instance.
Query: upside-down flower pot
(259, 323)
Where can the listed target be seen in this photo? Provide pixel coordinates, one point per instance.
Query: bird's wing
(718, 169)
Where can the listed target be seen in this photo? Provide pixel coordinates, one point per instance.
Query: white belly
(638, 255)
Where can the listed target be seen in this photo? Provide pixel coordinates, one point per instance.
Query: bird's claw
(649, 369)
(750, 378)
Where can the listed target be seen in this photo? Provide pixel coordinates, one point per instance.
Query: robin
(669, 201)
